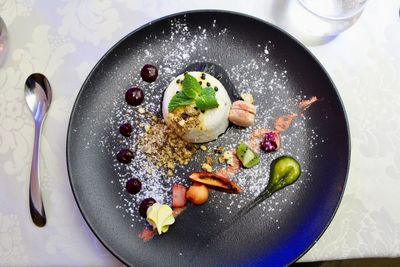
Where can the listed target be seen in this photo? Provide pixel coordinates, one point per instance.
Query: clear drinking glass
(3, 41)
(317, 21)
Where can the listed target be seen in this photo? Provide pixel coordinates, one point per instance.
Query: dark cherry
(144, 205)
(149, 73)
(125, 129)
(125, 156)
(133, 186)
(134, 96)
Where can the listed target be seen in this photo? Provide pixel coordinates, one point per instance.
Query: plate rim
(216, 12)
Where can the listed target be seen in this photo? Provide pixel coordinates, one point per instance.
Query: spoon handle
(35, 196)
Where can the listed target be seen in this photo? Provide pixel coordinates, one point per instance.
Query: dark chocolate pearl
(133, 186)
(134, 96)
(125, 156)
(125, 129)
(208, 84)
(178, 81)
(149, 73)
(200, 82)
(216, 89)
(145, 205)
(203, 76)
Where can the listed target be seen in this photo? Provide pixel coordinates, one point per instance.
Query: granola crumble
(184, 119)
(164, 147)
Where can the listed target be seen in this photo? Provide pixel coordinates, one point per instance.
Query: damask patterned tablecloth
(64, 40)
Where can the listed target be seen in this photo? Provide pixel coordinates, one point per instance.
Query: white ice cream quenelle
(213, 122)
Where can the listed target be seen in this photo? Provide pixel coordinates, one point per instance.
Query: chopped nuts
(203, 147)
(219, 150)
(141, 110)
(182, 120)
(228, 156)
(153, 118)
(171, 165)
(182, 123)
(247, 98)
(191, 111)
(163, 147)
(221, 159)
(209, 160)
(206, 167)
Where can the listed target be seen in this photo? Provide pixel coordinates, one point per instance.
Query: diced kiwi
(247, 156)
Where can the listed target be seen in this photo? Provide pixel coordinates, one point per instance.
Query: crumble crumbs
(184, 119)
(164, 147)
(206, 167)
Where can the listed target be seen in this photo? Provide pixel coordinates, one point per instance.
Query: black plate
(251, 56)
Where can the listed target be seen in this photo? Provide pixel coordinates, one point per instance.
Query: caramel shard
(214, 181)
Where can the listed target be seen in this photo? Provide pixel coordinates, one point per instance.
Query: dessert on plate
(204, 118)
(196, 108)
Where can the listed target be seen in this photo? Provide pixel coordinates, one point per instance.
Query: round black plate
(251, 56)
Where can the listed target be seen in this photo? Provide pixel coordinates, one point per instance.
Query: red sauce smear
(283, 123)
(305, 104)
(146, 234)
(177, 211)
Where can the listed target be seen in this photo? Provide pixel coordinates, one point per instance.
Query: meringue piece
(160, 217)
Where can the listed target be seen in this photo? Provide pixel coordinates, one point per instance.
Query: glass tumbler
(3, 41)
(318, 21)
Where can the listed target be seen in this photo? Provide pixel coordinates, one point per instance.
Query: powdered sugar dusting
(257, 74)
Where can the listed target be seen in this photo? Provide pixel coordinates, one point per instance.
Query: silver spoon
(38, 97)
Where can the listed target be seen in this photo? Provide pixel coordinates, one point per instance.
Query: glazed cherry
(126, 129)
(134, 96)
(125, 156)
(149, 73)
(133, 186)
(145, 205)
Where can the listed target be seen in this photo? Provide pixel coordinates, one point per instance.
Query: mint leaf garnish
(193, 92)
(190, 86)
(206, 99)
(179, 100)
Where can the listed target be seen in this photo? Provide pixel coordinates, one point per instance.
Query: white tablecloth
(64, 39)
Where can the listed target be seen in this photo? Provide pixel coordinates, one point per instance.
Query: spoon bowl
(38, 96)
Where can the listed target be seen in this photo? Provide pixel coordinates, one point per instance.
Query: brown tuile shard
(215, 181)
